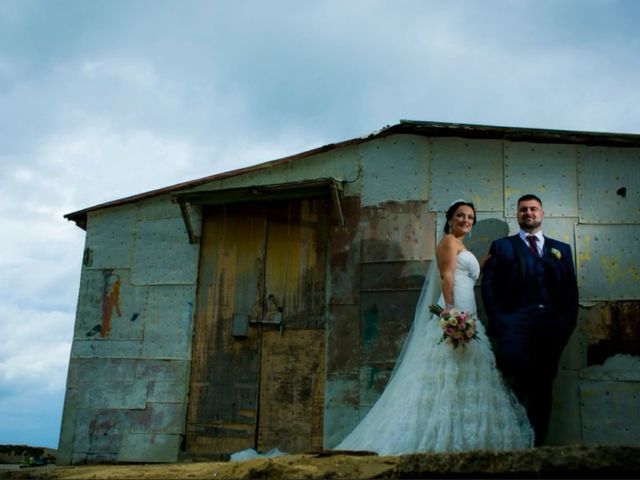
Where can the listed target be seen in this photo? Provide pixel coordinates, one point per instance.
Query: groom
(530, 295)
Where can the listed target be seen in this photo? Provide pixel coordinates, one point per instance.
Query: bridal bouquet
(458, 326)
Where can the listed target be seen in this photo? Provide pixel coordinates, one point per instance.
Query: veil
(381, 427)
(430, 294)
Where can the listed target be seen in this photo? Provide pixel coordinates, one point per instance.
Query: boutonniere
(555, 253)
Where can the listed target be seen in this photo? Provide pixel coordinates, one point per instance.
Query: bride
(439, 398)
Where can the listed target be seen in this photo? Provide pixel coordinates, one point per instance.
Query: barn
(264, 307)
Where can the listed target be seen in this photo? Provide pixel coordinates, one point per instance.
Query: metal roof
(410, 127)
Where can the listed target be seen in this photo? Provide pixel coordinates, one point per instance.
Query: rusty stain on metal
(612, 327)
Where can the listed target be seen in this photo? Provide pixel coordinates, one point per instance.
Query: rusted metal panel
(167, 327)
(160, 418)
(224, 371)
(343, 339)
(608, 261)
(292, 391)
(163, 370)
(149, 448)
(162, 253)
(385, 276)
(548, 171)
(385, 320)
(296, 263)
(609, 185)
(100, 431)
(397, 231)
(341, 407)
(469, 169)
(167, 392)
(386, 161)
(612, 328)
(109, 306)
(344, 254)
(373, 380)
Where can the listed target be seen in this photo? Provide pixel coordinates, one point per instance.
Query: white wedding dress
(441, 399)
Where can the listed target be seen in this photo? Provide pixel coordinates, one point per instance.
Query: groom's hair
(529, 196)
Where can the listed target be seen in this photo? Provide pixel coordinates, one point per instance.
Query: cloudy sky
(100, 99)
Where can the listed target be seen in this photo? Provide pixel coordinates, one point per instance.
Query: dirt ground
(545, 462)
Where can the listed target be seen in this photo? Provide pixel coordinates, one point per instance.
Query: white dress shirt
(538, 235)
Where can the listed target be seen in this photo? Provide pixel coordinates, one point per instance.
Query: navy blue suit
(532, 306)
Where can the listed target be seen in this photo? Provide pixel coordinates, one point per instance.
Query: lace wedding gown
(441, 399)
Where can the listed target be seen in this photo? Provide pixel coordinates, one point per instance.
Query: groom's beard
(529, 224)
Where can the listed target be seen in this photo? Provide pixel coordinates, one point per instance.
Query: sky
(101, 99)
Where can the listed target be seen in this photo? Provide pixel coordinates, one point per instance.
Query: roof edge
(80, 216)
(414, 127)
(543, 135)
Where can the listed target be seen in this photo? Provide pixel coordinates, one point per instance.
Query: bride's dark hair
(452, 209)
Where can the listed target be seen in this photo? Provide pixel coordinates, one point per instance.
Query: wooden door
(223, 393)
(260, 386)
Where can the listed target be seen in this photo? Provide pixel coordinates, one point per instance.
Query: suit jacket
(503, 278)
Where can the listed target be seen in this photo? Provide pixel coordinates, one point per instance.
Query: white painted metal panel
(106, 348)
(394, 168)
(603, 173)
(342, 164)
(110, 237)
(610, 412)
(167, 326)
(88, 369)
(150, 447)
(163, 254)
(113, 394)
(548, 171)
(469, 169)
(608, 262)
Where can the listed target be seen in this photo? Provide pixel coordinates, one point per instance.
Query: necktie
(532, 241)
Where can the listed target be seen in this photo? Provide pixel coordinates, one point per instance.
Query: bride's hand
(483, 260)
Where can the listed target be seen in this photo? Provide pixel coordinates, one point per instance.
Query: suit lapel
(520, 252)
(549, 260)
